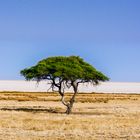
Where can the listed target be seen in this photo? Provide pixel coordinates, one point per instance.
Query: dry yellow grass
(40, 116)
(82, 97)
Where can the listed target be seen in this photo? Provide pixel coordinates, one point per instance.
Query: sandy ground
(105, 87)
(117, 118)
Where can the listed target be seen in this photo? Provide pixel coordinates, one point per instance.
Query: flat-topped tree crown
(66, 68)
(64, 72)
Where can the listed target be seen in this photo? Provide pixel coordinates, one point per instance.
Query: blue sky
(106, 33)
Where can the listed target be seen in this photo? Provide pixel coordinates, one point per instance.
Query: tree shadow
(51, 110)
(33, 110)
(91, 113)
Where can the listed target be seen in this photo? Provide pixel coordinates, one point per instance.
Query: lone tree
(64, 72)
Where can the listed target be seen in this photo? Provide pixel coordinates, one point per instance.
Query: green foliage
(64, 72)
(70, 68)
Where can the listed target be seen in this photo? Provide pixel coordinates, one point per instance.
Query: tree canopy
(64, 72)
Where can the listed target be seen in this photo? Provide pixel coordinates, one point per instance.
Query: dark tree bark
(72, 100)
(70, 104)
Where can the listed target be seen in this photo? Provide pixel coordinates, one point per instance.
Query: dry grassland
(40, 116)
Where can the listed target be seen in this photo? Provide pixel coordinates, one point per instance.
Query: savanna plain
(41, 116)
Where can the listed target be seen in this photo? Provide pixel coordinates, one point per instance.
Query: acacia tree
(64, 72)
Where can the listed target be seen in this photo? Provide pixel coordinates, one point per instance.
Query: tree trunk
(68, 110)
(69, 105)
(72, 100)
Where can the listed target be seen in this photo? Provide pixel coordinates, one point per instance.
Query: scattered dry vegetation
(82, 97)
(40, 116)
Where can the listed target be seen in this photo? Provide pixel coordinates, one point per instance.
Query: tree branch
(63, 101)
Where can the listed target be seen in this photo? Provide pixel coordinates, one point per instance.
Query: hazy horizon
(103, 87)
(104, 33)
